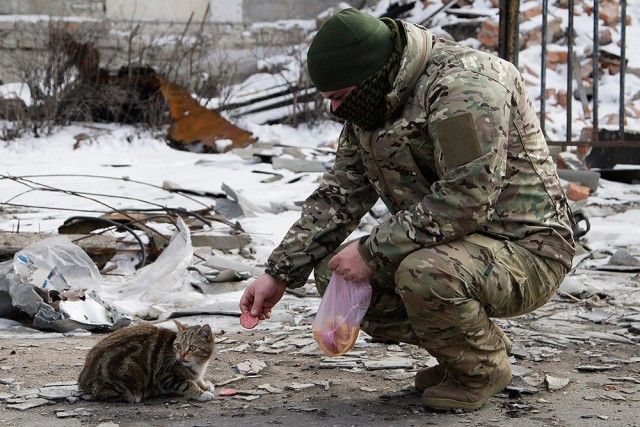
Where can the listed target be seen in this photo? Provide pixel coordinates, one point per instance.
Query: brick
(488, 40)
(530, 13)
(562, 98)
(609, 13)
(577, 192)
(557, 56)
(491, 27)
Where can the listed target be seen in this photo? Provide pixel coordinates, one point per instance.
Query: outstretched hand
(261, 296)
(349, 264)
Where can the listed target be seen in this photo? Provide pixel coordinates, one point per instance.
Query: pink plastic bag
(337, 322)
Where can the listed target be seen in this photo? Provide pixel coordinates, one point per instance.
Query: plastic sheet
(337, 323)
(56, 283)
(157, 289)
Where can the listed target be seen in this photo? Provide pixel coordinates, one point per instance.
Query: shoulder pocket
(458, 140)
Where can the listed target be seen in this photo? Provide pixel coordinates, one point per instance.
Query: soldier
(479, 224)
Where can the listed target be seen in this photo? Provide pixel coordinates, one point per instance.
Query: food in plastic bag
(337, 322)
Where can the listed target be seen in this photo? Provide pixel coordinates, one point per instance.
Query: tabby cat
(146, 361)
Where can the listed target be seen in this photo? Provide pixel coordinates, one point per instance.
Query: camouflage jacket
(461, 152)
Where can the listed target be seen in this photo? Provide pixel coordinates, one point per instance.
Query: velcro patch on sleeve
(458, 140)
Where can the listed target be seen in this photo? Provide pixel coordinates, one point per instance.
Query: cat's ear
(206, 332)
(181, 326)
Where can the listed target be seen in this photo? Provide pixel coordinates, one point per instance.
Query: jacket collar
(416, 57)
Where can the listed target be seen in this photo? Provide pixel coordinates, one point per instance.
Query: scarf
(366, 105)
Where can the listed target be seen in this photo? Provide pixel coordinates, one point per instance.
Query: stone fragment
(372, 365)
(251, 367)
(299, 386)
(79, 412)
(595, 368)
(58, 393)
(29, 404)
(247, 398)
(555, 384)
(270, 388)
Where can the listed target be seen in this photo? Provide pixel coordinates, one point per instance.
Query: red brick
(577, 192)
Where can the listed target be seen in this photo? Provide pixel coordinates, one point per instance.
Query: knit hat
(347, 49)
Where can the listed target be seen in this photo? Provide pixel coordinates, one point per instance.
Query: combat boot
(476, 366)
(433, 375)
(428, 377)
(452, 394)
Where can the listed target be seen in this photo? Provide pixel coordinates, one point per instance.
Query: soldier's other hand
(349, 264)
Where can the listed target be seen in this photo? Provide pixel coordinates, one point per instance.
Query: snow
(120, 167)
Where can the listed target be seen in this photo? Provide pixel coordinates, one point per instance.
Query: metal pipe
(596, 69)
(623, 63)
(516, 32)
(543, 66)
(569, 72)
(508, 35)
(578, 143)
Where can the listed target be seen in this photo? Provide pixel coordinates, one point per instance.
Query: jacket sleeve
(329, 215)
(468, 118)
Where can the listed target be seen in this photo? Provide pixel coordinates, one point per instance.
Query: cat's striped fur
(146, 361)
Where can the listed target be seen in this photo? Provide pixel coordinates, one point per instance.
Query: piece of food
(228, 392)
(248, 321)
(336, 337)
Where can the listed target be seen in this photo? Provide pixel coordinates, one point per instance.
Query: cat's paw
(208, 385)
(205, 397)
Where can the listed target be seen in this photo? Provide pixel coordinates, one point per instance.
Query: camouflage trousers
(442, 298)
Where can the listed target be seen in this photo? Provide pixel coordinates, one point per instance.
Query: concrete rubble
(596, 310)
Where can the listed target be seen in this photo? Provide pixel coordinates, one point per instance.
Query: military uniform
(479, 227)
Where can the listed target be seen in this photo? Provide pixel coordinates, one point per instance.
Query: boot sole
(448, 404)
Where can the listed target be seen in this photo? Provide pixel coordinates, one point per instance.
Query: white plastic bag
(160, 287)
(57, 263)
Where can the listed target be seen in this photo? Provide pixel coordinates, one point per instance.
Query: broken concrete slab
(299, 386)
(251, 367)
(588, 179)
(555, 383)
(298, 165)
(59, 392)
(221, 241)
(390, 363)
(78, 412)
(29, 404)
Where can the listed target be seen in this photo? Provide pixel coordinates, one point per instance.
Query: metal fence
(509, 48)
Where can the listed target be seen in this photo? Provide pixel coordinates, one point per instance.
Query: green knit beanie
(347, 49)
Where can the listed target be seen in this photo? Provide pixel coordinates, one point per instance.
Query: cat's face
(193, 345)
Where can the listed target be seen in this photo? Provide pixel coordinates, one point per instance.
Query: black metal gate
(509, 49)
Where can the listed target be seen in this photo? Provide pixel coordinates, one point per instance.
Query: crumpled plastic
(337, 322)
(159, 288)
(56, 283)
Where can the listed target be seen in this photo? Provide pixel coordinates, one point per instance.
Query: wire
(114, 224)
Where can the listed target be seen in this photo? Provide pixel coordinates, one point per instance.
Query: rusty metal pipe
(596, 69)
(623, 63)
(543, 68)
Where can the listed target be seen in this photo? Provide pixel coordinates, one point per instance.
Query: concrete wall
(164, 10)
(221, 11)
(90, 8)
(222, 48)
(149, 31)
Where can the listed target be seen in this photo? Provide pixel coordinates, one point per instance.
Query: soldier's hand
(349, 264)
(261, 296)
